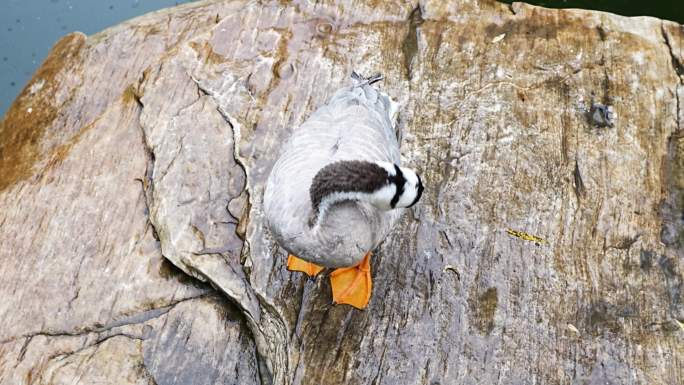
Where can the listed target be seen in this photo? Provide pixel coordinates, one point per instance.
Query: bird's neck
(351, 180)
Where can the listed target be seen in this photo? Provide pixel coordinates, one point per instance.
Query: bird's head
(385, 185)
(408, 187)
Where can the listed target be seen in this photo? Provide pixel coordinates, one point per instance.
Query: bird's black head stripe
(399, 180)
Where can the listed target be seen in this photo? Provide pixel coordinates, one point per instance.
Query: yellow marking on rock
(525, 236)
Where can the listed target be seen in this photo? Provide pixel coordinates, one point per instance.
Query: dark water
(28, 28)
(663, 9)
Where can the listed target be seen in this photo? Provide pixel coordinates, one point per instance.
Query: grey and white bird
(338, 188)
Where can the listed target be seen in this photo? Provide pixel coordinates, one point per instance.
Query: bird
(338, 188)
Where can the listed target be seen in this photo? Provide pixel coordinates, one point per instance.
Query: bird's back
(354, 124)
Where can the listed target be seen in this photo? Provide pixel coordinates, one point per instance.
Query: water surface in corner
(28, 28)
(662, 9)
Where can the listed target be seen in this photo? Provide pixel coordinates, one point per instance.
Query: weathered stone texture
(150, 142)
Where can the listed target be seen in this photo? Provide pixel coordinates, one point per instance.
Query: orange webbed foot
(296, 264)
(353, 285)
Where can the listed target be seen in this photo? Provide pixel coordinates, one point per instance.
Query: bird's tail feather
(360, 81)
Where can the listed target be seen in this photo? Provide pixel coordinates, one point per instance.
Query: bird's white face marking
(413, 188)
(382, 198)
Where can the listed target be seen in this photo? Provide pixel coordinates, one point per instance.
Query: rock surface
(150, 142)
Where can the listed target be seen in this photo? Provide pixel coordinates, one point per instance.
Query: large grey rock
(166, 128)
